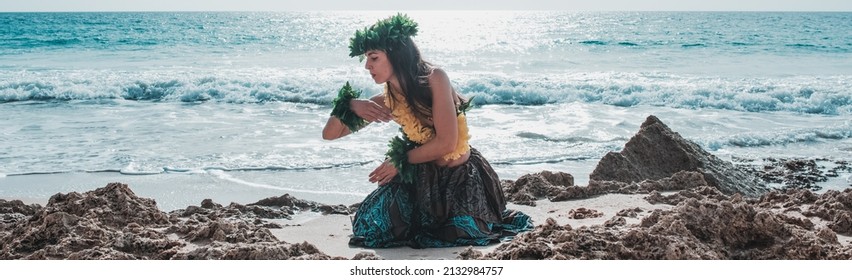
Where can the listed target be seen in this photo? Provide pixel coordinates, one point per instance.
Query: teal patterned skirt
(446, 206)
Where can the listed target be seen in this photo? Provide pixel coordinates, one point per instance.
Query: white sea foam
(134, 169)
(769, 138)
(225, 176)
(807, 94)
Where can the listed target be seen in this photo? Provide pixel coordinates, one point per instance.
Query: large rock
(657, 152)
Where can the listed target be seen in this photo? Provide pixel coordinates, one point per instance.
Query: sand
(330, 233)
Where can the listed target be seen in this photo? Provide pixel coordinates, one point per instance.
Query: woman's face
(379, 66)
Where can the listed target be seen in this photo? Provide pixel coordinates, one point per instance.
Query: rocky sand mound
(657, 152)
(655, 159)
(704, 224)
(113, 223)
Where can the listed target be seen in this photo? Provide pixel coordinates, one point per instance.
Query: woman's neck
(394, 84)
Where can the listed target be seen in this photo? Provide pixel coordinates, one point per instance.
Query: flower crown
(383, 35)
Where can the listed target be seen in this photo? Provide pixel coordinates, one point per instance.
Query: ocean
(230, 105)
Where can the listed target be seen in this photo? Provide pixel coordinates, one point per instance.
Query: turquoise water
(233, 103)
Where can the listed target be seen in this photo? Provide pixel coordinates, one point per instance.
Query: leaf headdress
(384, 35)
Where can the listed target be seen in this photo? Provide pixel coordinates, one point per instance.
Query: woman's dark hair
(413, 75)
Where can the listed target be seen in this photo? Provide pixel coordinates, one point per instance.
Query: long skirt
(446, 206)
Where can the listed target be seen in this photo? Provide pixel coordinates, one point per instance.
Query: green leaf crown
(384, 35)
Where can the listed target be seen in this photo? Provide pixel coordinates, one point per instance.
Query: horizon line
(410, 10)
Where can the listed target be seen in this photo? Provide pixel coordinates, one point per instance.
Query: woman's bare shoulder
(439, 79)
(438, 73)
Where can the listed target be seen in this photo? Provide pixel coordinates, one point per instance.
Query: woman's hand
(370, 110)
(384, 173)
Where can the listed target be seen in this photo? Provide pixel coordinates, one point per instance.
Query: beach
(197, 135)
(708, 209)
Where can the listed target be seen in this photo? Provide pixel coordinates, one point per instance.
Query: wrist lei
(398, 156)
(343, 111)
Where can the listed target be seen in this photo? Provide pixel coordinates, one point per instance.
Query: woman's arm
(334, 129)
(444, 119)
(372, 110)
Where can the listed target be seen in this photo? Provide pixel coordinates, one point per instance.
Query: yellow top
(419, 133)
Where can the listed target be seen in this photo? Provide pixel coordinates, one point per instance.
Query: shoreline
(174, 191)
(167, 187)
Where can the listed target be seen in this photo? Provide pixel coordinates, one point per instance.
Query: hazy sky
(283, 5)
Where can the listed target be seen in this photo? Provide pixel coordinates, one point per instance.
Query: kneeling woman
(434, 189)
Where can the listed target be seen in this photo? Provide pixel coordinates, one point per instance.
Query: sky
(403, 5)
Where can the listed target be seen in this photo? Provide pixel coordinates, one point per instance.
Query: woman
(434, 189)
